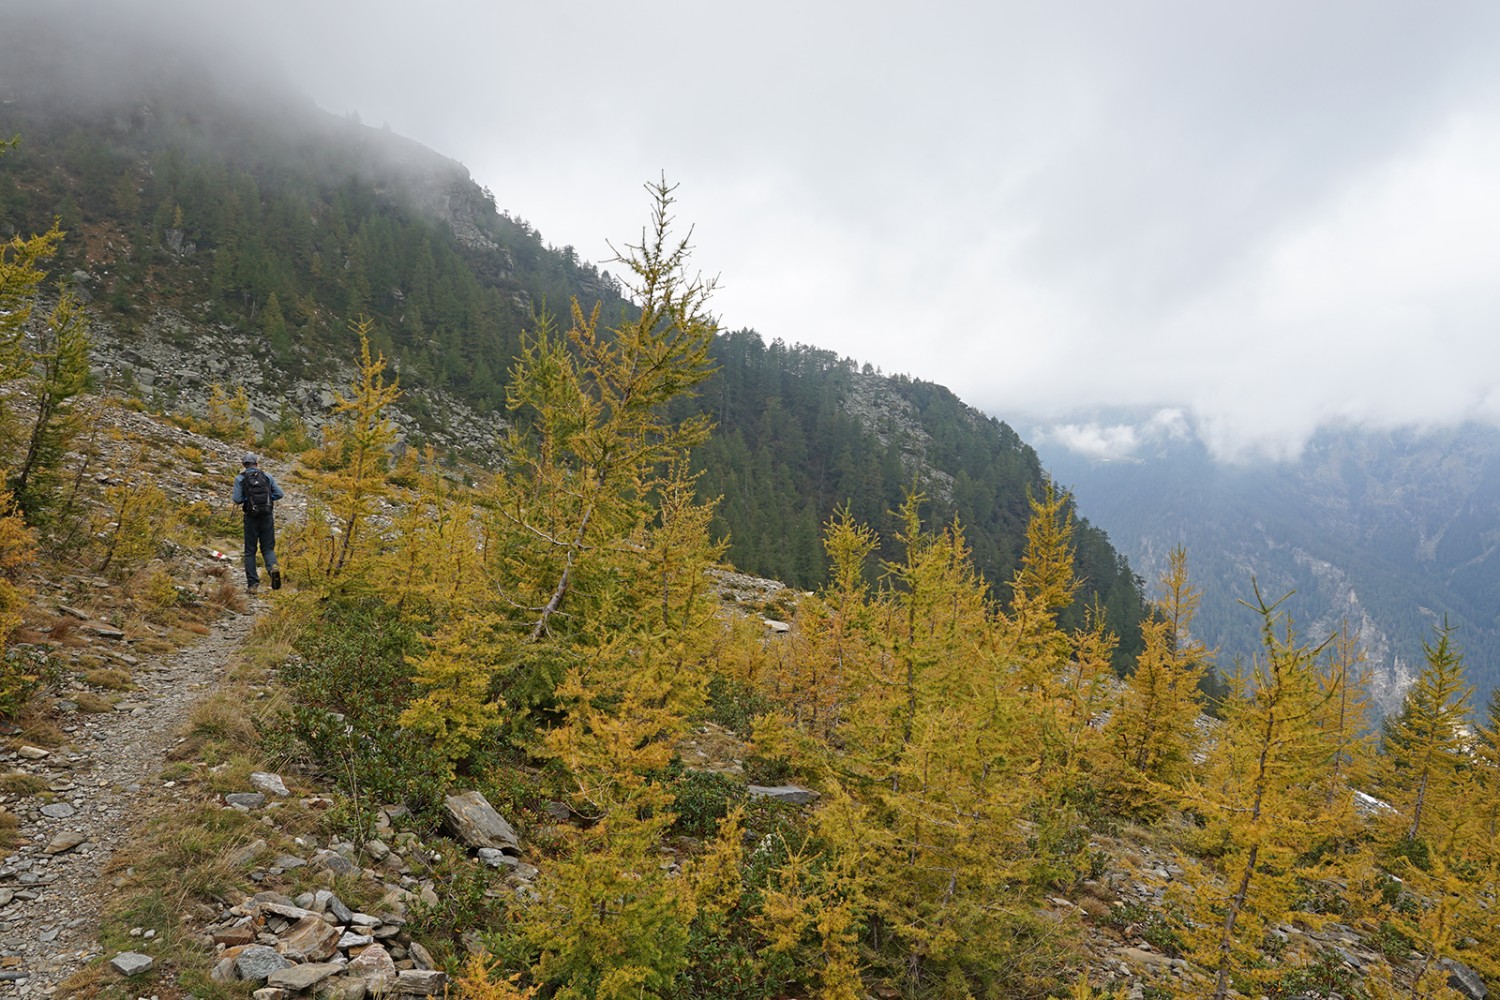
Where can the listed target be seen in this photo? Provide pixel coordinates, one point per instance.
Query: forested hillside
(801, 431)
(240, 236)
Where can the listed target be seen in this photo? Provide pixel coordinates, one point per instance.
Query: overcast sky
(1264, 215)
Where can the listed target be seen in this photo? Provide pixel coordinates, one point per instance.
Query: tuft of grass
(92, 703)
(21, 783)
(154, 646)
(229, 595)
(64, 629)
(10, 830)
(221, 718)
(42, 733)
(108, 678)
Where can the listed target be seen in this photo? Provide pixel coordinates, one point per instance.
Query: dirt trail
(108, 779)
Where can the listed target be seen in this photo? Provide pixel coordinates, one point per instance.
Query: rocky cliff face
(173, 362)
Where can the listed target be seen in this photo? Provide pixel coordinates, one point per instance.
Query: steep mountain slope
(227, 233)
(1391, 531)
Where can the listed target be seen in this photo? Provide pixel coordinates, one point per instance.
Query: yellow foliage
(349, 471)
(140, 519)
(455, 707)
(229, 415)
(482, 980)
(17, 552)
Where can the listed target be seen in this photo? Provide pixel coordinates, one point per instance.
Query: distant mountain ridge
(1390, 530)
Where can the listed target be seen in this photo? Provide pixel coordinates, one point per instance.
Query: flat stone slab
(311, 939)
(304, 977)
(131, 963)
(792, 794)
(245, 800)
(65, 841)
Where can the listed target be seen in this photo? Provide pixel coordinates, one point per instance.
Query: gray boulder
(1464, 979)
(257, 962)
(472, 819)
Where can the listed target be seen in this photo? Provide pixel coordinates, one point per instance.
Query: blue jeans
(260, 530)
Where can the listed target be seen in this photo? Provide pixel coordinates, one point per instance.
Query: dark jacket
(239, 488)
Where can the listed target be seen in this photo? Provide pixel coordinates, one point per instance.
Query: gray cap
(251, 458)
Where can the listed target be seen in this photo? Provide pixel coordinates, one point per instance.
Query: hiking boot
(276, 579)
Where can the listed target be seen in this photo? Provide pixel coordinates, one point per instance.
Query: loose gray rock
(791, 794)
(338, 911)
(245, 800)
(58, 810)
(421, 982)
(131, 963)
(257, 962)
(335, 862)
(269, 783)
(247, 854)
(343, 989)
(65, 841)
(476, 823)
(304, 977)
(1465, 980)
(494, 857)
(374, 966)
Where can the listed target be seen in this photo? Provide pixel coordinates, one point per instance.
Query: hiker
(257, 493)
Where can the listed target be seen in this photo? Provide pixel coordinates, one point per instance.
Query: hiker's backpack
(257, 491)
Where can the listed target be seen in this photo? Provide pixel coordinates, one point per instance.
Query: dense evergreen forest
(790, 447)
(292, 225)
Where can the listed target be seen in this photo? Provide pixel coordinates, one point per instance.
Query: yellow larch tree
(941, 753)
(831, 656)
(591, 425)
(1422, 746)
(1260, 803)
(349, 469)
(1153, 730)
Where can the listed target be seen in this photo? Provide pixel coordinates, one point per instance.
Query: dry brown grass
(40, 732)
(88, 701)
(65, 630)
(229, 595)
(218, 727)
(21, 783)
(1094, 909)
(10, 830)
(154, 646)
(109, 678)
